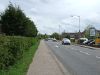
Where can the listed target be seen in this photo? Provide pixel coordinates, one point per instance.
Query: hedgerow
(12, 48)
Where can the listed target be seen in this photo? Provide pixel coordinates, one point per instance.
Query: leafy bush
(12, 47)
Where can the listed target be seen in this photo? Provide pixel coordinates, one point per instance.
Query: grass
(21, 67)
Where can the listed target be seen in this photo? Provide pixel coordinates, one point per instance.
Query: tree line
(14, 22)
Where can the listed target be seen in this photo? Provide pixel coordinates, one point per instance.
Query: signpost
(92, 32)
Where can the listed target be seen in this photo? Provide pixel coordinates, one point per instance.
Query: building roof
(98, 31)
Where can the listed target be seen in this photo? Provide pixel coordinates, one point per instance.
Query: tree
(42, 36)
(65, 35)
(15, 22)
(30, 28)
(56, 36)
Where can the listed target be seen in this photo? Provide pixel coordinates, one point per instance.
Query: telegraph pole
(59, 32)
(79, 24)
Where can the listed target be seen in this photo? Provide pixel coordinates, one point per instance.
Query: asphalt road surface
(77, 60)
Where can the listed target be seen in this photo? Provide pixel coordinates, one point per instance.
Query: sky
(56, 15)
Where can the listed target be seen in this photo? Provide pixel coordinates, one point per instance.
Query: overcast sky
(49, 14)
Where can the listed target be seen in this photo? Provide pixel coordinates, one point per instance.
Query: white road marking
(98, 57)
(56, 46)
(85, 53)
(74, 49)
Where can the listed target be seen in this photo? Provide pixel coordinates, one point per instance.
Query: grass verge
(21, 67)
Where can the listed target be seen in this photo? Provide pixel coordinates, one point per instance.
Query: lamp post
(79, 24)
(79, 21)
(59, 32)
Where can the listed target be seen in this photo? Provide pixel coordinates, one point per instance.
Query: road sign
(92, 31)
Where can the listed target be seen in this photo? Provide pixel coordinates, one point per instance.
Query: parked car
(66, 41)
(87, 42)
(91, 43)
(81, 40)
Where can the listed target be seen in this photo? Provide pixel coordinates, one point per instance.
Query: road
(77, 60)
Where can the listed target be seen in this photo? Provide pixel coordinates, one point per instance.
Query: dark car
(87, 42)
(91, 43)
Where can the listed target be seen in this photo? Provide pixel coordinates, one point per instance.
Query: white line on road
(74, 49)
(98, 57)
(56, 46)
(85, 53)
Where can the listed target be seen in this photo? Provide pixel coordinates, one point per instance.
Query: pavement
(46, 63)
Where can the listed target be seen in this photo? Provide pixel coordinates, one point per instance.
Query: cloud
(49, 14)
(1, 7)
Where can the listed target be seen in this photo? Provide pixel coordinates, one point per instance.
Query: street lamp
(79, 24)
(79, 21)
(59, 31)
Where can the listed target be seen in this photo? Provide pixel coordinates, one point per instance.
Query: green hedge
(12, 47)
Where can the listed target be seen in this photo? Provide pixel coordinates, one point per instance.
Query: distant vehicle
(82, 40)
(87, 42)
(46, 39)
(66, 41)
(54, 40)
(85, 39)
(91, 43)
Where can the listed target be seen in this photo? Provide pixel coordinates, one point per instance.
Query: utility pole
(59, 32)
(79, 24)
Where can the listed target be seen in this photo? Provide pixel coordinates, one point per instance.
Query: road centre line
(57, 46)
(85, 53)
(74, 49)
(98, 57)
